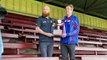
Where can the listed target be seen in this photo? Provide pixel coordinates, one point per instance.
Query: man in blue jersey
(70, 31)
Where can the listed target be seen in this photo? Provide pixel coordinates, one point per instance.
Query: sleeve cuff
(68, 34)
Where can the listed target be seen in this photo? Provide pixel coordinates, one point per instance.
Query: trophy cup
(57, 31)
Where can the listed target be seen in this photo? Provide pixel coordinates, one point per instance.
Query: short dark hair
(70, 5)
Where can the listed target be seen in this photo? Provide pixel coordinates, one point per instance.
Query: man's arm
(42, 32)
(39, 30)
(77, 28)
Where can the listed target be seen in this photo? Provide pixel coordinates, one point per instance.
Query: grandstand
(21, 41)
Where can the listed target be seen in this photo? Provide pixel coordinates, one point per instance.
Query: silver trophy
(57, 31)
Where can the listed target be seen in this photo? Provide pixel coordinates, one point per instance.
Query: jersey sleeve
(38, 22)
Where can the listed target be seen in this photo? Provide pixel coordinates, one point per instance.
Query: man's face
(69, 10)
(46, 11)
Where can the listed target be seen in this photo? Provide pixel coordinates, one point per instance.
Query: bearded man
(44, 28)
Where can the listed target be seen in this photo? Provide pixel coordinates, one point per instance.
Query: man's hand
(63, 35)
(49, 34)
(38, 30)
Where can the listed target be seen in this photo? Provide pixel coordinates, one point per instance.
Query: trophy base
(57, 32)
